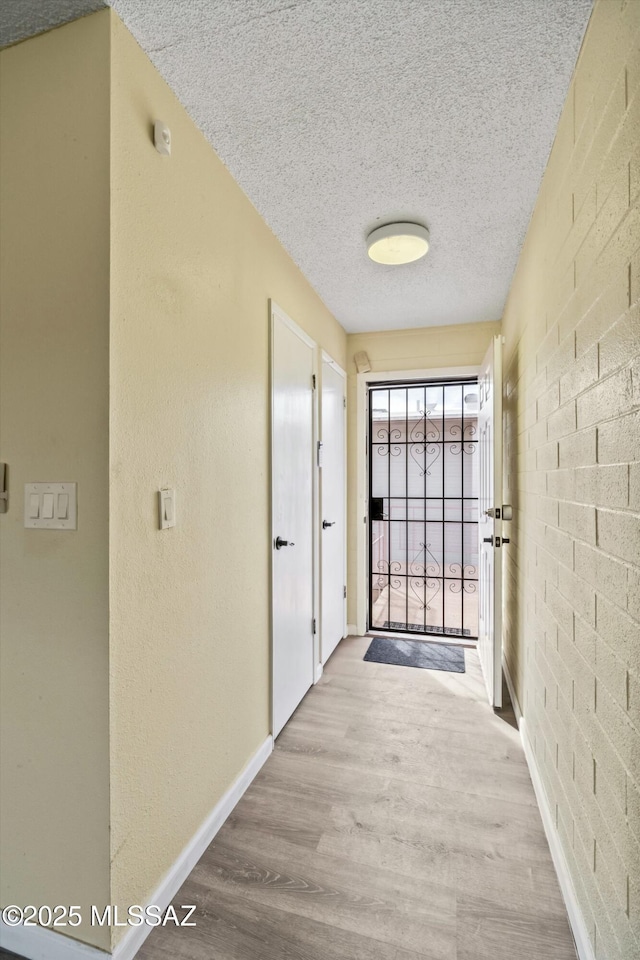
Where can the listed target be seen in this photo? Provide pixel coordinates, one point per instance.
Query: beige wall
(572, 328)
(54, 368)
(134, 356)
(193, 266)
(426, 348)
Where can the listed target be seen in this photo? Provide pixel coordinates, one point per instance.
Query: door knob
(487, 540)
(283, 543)
(328, 523)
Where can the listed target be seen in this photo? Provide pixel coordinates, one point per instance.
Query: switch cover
(167, 508)
(50, 506)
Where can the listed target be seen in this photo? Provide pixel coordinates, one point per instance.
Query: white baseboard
(352, 630)
(318, 672)
(38, 943)
(576, 919)
(512, 691)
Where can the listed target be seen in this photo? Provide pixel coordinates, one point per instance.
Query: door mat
(430, 628)
(416, 653)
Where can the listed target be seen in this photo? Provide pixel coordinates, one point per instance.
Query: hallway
(394, 820)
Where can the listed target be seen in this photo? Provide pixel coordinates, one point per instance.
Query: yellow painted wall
(54, 368)
(135, 355)
(192, 268)
(426, 348)
(572, 415)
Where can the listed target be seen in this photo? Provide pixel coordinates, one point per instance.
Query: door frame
(327, 358)
(304, 336)
(362, 471)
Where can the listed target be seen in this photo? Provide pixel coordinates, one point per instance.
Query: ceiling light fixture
(398, 243)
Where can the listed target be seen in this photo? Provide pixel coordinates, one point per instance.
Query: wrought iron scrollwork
(385, 449)
(424, 451)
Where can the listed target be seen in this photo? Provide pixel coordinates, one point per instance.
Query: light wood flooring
(395, 820)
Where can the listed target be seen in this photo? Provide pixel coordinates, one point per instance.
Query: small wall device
(162, 138)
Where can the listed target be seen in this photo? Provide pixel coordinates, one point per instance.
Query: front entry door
(292, 440)
(490, 521)
(332, 513)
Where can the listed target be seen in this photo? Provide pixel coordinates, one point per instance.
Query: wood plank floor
(395, 820)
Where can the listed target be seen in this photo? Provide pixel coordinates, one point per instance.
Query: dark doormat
(416, 653)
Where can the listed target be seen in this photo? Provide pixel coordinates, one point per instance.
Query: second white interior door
(332, 514)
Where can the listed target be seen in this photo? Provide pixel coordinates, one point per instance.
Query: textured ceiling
(336, 116)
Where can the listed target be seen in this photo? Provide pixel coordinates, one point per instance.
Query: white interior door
(333, 619)
(292, 439)
(489, 520)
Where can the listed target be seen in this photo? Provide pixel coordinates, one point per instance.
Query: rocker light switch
(50, 506)
(167, 508)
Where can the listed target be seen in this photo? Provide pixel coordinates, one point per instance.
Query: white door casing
(292, 478)
(489, 524)
(333, 619)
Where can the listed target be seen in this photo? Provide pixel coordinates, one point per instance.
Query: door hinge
(313, 380)
(4, 495)
(313, 624)
(345, 593)
(344, 402)
(319, 453)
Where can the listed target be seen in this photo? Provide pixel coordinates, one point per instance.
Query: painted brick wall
(572, 422)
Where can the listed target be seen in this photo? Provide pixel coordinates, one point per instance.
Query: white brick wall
(572, 428)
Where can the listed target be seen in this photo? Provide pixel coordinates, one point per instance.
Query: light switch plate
(167, 508)
(50, 506)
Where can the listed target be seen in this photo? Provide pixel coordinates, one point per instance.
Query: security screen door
(423, 508)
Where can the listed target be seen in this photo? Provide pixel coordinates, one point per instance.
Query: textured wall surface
(20, 19)
(572, 328)
(455, 346)
(54, 368)
(193, 266)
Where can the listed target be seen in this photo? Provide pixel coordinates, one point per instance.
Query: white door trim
(362, 479)
(327, 358)
(275, 309)
(288, 322)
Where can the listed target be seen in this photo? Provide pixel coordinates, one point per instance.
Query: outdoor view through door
(423, 499)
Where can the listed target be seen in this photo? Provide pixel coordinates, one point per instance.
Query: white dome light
(398, 243)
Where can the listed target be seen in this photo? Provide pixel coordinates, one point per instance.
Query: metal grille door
(423, 508)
